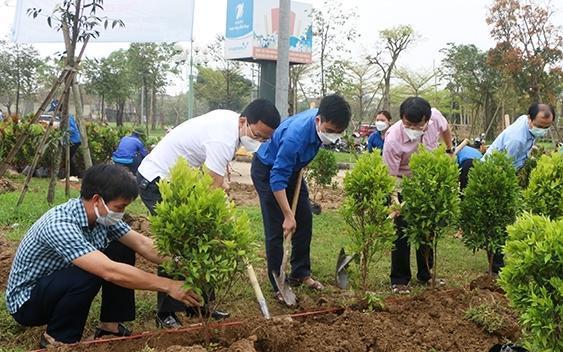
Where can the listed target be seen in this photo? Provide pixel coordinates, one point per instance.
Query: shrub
(368, 187)
(322, 170)
(490, 203)
(533, 279)
(206, 235)
(431, 197)
(544, 195)
(103, 140)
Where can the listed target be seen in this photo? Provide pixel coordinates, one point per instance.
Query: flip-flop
(400, 289)
(312, 283)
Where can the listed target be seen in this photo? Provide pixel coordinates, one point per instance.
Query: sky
(437, 22)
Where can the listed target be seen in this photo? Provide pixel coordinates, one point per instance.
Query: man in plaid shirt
(77, 248)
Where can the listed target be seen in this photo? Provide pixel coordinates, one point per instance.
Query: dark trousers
(62, 300)
(466, 165)
(73, 167)
(272, 218)
(400, 258)
(150, 195)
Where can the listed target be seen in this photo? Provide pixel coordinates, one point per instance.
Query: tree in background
(334, 28)
(221, 90)
(393, 42)
(529, 47)
(19, 66)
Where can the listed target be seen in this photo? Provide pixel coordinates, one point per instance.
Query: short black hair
(110, 182)
(536, 108)
(262, 110)
(415, 109)
(385, 113)
(336, 110)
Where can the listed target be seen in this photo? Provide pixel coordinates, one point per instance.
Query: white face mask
(328, 138)
(110, 219)
(413, 134)
(538, 132)
(381, 125)
(251, 145)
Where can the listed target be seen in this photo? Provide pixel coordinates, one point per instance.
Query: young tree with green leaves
(533, 279)
(491, 202)
(206, 238)
(368, 188)
(431, 197)
(544, 195)
(322, 170)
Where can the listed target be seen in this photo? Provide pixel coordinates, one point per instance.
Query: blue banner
(239, 18)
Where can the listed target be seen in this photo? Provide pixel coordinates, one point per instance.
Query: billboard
(145, 21)
(252, 31)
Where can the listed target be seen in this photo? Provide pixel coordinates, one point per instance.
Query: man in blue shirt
(465, 158)
(517, 140)
(78, 248)
(377, 138)
(130, 151)
(274, 172)
(75, 141)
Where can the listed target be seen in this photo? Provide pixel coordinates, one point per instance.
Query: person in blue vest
(75, 142)
(377, 138)
(465, 158)
(274, 171)
(130, 151)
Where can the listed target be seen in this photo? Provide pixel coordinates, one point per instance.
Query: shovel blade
(285, 290)
(342, 269)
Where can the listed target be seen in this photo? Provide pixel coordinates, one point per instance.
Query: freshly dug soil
(244, 194)
(486, 282)
(6, 186)
(433, 320)
(7, 252)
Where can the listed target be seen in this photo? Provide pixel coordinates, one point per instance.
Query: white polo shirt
(209, 140)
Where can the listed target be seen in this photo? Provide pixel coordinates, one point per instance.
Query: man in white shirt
(208, 141)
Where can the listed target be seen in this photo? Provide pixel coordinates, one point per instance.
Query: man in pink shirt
(420, 124)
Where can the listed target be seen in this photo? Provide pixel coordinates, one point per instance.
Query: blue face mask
(538, 132)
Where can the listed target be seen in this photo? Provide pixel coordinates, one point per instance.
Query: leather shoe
(215, 315)
(121, 331)
(45, 341)
(167, 321)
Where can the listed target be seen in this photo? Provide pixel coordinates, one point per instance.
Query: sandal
(121, 331)
(439, 282)
(400, 289)
(312, 283)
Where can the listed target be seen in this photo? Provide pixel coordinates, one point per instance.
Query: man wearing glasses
(420, 124)
(208, 141)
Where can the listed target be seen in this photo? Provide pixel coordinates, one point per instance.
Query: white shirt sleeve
(217, 156)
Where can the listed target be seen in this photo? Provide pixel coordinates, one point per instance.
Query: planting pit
(432, 320)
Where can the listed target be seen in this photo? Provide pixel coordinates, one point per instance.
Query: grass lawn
(456, 264)
(342, 157)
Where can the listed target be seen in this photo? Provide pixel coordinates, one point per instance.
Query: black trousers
(272, 218)
(62, 300)
(466, 165)
(74, 171)
(150, 195)
(400, 258)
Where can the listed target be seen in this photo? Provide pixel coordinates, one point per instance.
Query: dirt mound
(6, 186)
(433, 320)
(486, 282)
(7, 252)
(139, 223)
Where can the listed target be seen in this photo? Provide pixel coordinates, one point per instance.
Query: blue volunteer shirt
(516, 140)
(75, 137)
(129, 147)
(468, 153)
(375, 141)
(60, 236)
(292, 146)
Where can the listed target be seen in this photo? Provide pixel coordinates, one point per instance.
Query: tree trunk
(363, 270)
(154, 118)
(119, 114)
(386, 92)
(84, 147)
(103, 108)
(55, 166)
(490, 256)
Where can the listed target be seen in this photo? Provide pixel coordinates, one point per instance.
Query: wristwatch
(450, 150)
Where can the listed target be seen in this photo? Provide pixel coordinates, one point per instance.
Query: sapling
(490, 203)
(367, 189)
(544, 195)
(431, 197)
(206, 239)
(322, 170)
(533, 279)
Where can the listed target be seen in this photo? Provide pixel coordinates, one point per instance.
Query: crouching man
(77, 248)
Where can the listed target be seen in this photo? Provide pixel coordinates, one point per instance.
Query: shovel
(283, 287)
(258, 291)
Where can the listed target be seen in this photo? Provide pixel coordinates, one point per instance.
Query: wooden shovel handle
(294, 206)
